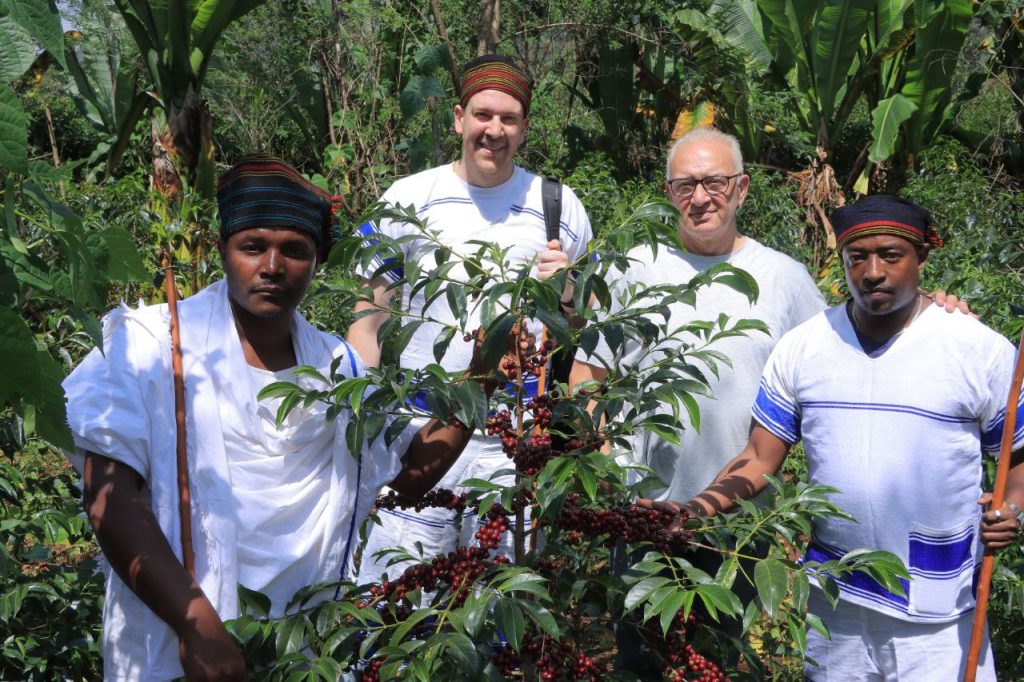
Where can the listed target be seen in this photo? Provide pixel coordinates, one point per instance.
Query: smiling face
(268, 270)
(492, 127)
(883, 272)
(707, 222)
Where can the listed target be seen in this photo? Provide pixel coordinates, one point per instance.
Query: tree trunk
(490, 22)
(442, 32)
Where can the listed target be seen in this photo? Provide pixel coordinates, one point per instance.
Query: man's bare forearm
(133, 543)
(138, 551)
(743, 477)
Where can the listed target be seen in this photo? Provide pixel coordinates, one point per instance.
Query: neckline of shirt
(516, 177)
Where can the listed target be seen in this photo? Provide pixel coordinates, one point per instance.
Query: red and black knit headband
(883, 214)
(494, 72)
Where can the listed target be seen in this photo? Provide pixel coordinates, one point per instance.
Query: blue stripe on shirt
(992, 437)
(887, 407)
(776, 415)
(940, 557)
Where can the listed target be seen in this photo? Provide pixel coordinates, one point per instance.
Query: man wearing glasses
(706, 182)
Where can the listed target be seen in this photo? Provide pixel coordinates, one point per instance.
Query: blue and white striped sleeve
(776, 407)
(1000, 375)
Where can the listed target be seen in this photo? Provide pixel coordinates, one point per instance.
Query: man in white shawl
(273, 509)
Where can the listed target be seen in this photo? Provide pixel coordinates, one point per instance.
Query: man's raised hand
(551, 260)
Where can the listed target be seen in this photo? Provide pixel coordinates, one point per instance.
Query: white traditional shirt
(900, 432)
(121, 405)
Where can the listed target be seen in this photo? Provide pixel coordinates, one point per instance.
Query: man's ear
(922, 254)
(742, 185)
(459, 113)
(222, 248)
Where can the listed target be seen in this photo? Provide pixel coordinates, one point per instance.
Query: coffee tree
(590, 561)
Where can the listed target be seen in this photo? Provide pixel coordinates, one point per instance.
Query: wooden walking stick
(188, 558)
(998, 493)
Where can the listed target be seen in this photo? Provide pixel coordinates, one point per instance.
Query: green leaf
(19, 358)
(588, 479)
(524, 582)
(51, 420)
(542, 617)
(839, 27)
(41, 19)
(496, 339)
(291, 635)
(409, 623)
(17, 52)
(887, 118)
(124, 264)
(251, 601)
(770, 577)
(13, 132)
(670, 606)
(508, 618)
(640, 591)
(719, 599)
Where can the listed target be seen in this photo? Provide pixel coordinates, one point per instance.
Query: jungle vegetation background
(115, 118)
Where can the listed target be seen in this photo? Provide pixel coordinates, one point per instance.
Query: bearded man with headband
(895, 402)
(482, 196)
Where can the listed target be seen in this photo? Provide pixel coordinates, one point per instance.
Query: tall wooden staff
(998, 494)
(188, 558)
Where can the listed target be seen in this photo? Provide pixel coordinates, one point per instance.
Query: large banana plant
(176, 39)
(912, 96)
(107, 92)
(898, 54)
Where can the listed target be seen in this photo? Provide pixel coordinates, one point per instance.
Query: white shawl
(121, 405)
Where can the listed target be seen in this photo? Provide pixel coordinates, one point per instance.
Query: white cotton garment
(788, 296)
(900, 432)
(281, 488)
(121, 405)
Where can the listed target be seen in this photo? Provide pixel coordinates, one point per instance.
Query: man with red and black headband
(482, 196)
(895, 402)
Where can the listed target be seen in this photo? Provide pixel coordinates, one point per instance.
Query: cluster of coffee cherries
(631, 523)
(441, 498)
(696, 668)
(555, 661)
(680, 661)
(458, 569)
(489, 535)
(372, 671)
(530, 455)
(534, 364)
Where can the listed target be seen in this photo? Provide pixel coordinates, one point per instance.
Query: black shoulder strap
(551, 195)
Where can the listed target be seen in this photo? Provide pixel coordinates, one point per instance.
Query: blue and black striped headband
(264, 191)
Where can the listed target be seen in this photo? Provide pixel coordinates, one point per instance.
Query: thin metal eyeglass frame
(701, 181)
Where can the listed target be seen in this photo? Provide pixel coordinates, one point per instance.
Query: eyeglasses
(712, 184)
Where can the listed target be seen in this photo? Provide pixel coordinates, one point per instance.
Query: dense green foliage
(107, 155)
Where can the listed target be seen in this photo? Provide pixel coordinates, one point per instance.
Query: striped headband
(264, 191)
(884, 214)
(494, 72)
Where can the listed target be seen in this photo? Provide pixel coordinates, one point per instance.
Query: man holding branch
(481, 197)
(895, 403)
